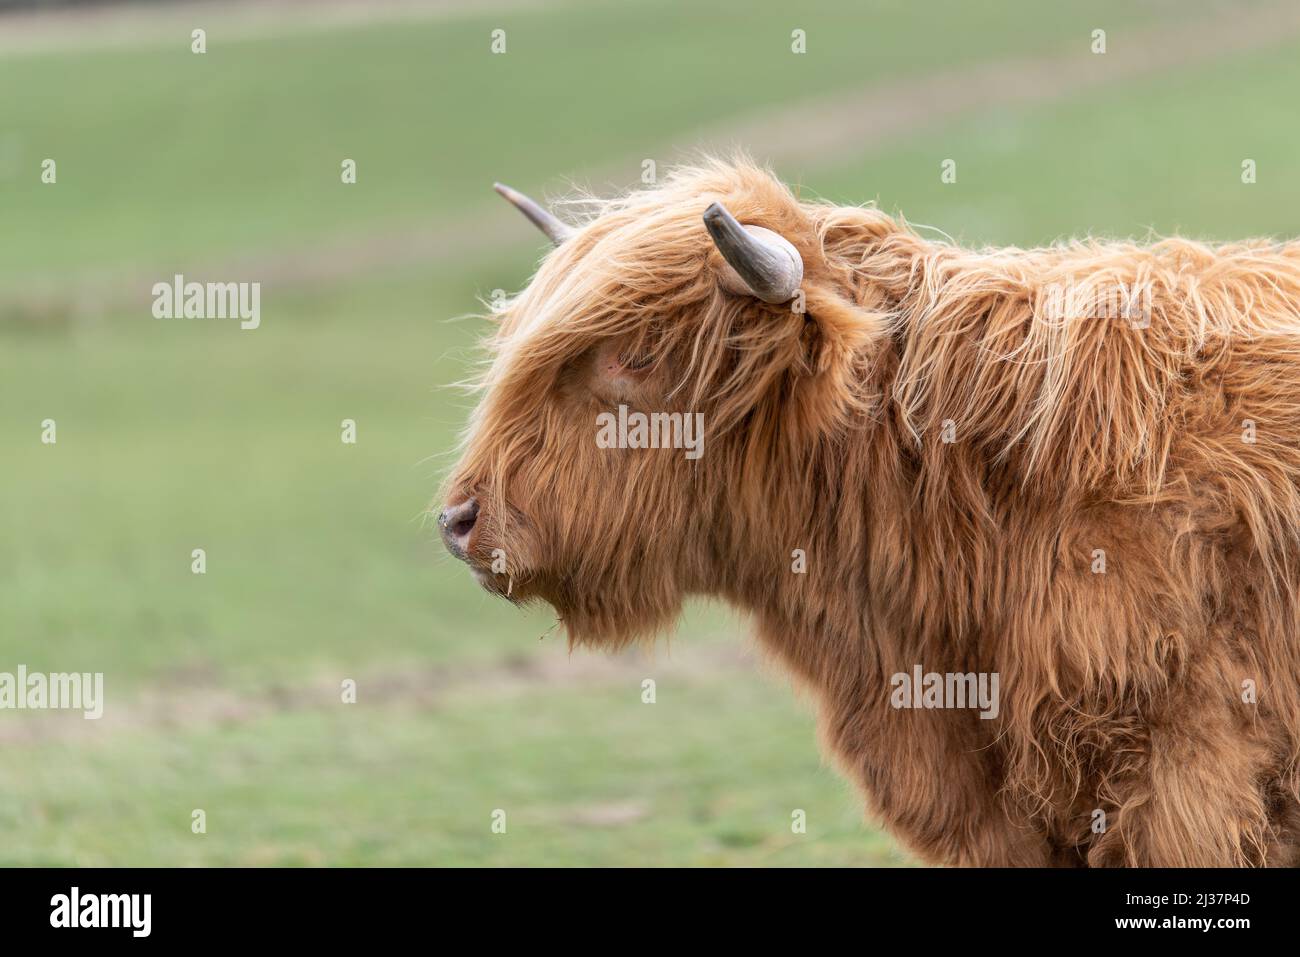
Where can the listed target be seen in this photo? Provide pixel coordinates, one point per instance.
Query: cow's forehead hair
(643, 265)
(643, 243)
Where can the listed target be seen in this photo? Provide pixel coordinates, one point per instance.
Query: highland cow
(925, 460)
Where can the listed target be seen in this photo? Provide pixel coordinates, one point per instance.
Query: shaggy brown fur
(1075, 441)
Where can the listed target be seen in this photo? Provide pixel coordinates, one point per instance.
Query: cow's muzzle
(457, 525)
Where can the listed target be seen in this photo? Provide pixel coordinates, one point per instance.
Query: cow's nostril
(457, 522)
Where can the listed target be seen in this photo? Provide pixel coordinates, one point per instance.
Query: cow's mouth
(514, 589)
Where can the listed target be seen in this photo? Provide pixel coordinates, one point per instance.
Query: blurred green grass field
(175, 435)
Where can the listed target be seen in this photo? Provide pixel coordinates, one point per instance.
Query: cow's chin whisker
(502, 585)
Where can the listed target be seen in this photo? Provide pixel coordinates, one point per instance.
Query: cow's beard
(598, 605)
(604, 615)
(590, 614)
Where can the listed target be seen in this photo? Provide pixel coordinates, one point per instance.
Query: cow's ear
(837, 331)
(838, 341)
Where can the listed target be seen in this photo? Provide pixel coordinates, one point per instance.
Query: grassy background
(223, 688)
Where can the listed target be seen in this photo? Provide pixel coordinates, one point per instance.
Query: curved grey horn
(555, 230)
(765, 263)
